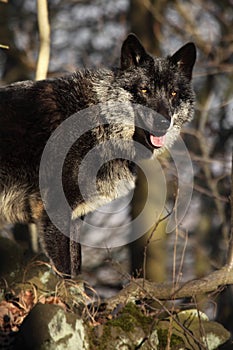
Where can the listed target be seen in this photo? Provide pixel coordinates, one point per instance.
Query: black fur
(31, 111)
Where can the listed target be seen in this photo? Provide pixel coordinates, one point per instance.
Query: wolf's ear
(133, 53)
(185, 58)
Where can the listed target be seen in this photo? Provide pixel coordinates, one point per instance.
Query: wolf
(31, 112)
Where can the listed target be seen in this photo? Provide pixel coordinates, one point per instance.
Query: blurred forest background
(89, 34)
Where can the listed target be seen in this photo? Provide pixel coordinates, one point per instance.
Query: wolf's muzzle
(160, 125)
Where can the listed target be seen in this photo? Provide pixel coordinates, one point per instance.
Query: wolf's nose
(161, 125)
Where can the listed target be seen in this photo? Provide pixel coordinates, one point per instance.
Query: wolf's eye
(174, 94)
(144, 90)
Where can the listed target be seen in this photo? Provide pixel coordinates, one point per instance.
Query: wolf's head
(161, 88)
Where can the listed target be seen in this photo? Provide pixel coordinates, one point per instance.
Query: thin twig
(182, 257)
(230, 247)
(206, 168)
(149, 240)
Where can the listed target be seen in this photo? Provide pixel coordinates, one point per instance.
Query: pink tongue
(157, 141)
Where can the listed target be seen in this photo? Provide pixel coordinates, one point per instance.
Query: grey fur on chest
(114, 179)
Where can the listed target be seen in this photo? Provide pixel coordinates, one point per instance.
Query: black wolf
(31, 111)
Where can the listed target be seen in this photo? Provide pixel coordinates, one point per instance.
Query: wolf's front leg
(63, 252)
(75, 248)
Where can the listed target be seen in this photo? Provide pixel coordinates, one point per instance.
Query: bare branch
(4, 46)
(44, 31)
(140, 288)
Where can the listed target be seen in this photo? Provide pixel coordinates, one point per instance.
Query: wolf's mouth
(151, 139)
(158, 139)
(153, 130)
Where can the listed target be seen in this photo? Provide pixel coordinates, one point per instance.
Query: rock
(49, 327)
